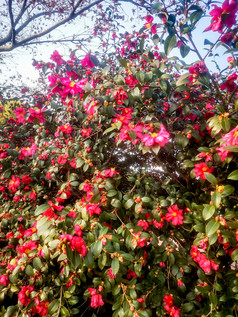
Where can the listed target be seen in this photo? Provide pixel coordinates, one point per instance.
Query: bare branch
(23, 9)
(11, 21)
(73, 14)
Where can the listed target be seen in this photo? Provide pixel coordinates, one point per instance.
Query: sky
(19, 61)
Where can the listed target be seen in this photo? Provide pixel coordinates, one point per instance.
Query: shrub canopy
(118, 186)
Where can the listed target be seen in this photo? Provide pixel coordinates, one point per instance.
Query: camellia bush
(118, 186)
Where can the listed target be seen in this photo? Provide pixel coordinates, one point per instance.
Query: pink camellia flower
(24, 294)
(89, 61)
(36, 114)
(4, 280)
(86, 132)
(28, 151)
(230, 83)
(202, 168)
(67, 128)
(57, 58)
(223, 16)
(120, 95)
(160, 138)
(93, 209)
(231, 138)
(110, 172)
(174, 215)
(96, 299)
(227, 38)
(20, 114)
(110, 274)
(149, 19)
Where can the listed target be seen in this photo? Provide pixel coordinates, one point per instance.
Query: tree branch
(11, 21)
(71, 16)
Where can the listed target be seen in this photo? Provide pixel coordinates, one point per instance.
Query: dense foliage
(118, 186)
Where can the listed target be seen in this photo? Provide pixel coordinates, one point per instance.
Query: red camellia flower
(4, 280)
(93, 209)
(26, 179)
(24, 294)
(120, 95)
(202, 168)
(96, 299)
(226, 38)
(14, 183)
(78, 245)
(110, 172)
(174, 215)
(230, 83)
(223, 16)
(27, 247)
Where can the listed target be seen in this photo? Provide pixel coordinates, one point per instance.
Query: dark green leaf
(208, 212)
(184, 50)
(115, 265)
(169, 44)
(212, 227)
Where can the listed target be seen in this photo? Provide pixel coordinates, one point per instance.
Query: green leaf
(213, 299)
(213, 238)
(234, 255)
(208, 212)
(10, 311)
(211, 178)
(97, 248)
(140, 76)
(232, 148)
(115, 265)
(54, 306)
(183, 80)
(216, 199)
(225, 123)
(102, 260)
(119, 80)
(187, 307)
(88, 259)
(156, 6)
(212, 227)
(195, 16)
(41, 209)
(184, 50)
(228, 190)
(123, 62)
(207, 42)
(37, 264)
(111, 193)
(116, 203)
(233, 175)
(169, 44)
(181, 140)
(129, 203)
(107, 131)
(164, 85)
(62, 257)
(64, 311)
